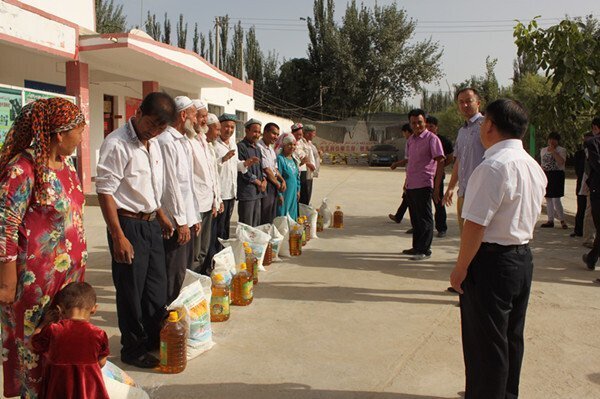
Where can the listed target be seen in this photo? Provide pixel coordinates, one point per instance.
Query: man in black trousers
(252, 184)
(494, 266)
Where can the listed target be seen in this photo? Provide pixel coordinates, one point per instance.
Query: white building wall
(229, 99)
(25, 25)
(79, 12)
(19, 65)
(285, 125)
(97, 92)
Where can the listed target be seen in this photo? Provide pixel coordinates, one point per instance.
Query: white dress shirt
(178, 196)
(505, 194)
(205, 175)
(217, 181)
(130, 173)
(229, 169)
(316, 159)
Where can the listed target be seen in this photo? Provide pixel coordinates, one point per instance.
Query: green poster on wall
(10, 106)
(31, 96)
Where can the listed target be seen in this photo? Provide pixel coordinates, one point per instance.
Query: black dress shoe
(411, 251)
(575, 235)
(146, 361)
(590, 265)
(547, 225)
(409, 231)
(441, 234)
(451, 289)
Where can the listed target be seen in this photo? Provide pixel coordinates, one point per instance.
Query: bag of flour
(224, 262)
(312, 215)
(326, 213)
(276, 238)
(256, 239)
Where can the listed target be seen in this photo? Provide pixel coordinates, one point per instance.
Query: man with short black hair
(275, 182)
(423, 176)
(592, 147)
(468, 150)
(494, 266)
(129, 184)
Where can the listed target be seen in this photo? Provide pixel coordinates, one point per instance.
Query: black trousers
(207, 265)
(595, 204)
(440, 212)
(223, 223)
(202, 242)
(401, 209)
(141, 287)
(178, 258)
(579, 217)
(305, 189)
(421, 218)
(492, 309)
(268, 204)
(249, 212)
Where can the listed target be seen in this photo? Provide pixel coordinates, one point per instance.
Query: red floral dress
(46, 238)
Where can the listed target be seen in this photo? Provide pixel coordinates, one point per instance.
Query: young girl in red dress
(74, 349)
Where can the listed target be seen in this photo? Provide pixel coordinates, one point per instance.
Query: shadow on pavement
(294, 291)
(272, 391)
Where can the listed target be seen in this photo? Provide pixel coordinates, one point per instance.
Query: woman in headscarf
(42, 242)
(287, 201)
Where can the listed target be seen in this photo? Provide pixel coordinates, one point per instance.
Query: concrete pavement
(352, 318)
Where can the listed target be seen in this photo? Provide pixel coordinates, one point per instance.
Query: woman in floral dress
(42, 242)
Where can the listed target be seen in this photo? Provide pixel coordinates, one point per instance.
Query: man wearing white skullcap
(206, 184)
(209, 231)
(179, 202)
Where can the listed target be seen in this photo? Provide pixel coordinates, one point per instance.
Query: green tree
(569, 55)
(296, 84)
(110, 19)
(195, 39)
(167, 31)
(203, 46)
(436, 102)
(254, 59)
(223, 42)
(211, 48)
(486, 85)
(153, 27)
(270, 84)
(181, 32)
(370, 59)
(235, 59)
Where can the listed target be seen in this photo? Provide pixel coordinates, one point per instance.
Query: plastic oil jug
(219, 301)
(268, 259)
(320, 223)
(296, 241)
(251, 263)
(243, 287)
(338, 218)
(173, 345)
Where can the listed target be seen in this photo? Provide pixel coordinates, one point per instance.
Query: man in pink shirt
(424, 171)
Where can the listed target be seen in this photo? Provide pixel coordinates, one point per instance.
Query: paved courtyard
(352, 318)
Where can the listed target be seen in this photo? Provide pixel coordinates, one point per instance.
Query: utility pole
(217, 26)
(321, 90)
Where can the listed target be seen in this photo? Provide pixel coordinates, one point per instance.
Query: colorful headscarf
(33, 128)
(283, 140)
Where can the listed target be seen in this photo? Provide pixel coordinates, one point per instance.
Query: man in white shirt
(494, 267)
(305, 158)
(205, 183)
(178, 200)
(129, 184)
(228, 167)
(213, 132)
(275, 182)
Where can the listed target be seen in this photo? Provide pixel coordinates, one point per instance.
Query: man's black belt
(493, 247)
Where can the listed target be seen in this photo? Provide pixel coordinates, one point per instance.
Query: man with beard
(205, 185)
(180, 206)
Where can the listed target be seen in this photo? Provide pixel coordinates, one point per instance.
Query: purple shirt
(422, 152)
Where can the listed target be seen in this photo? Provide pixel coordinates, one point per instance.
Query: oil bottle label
(163, 353)
(219, 305)
(247, 290)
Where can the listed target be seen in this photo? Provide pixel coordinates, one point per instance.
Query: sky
(467, 31)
